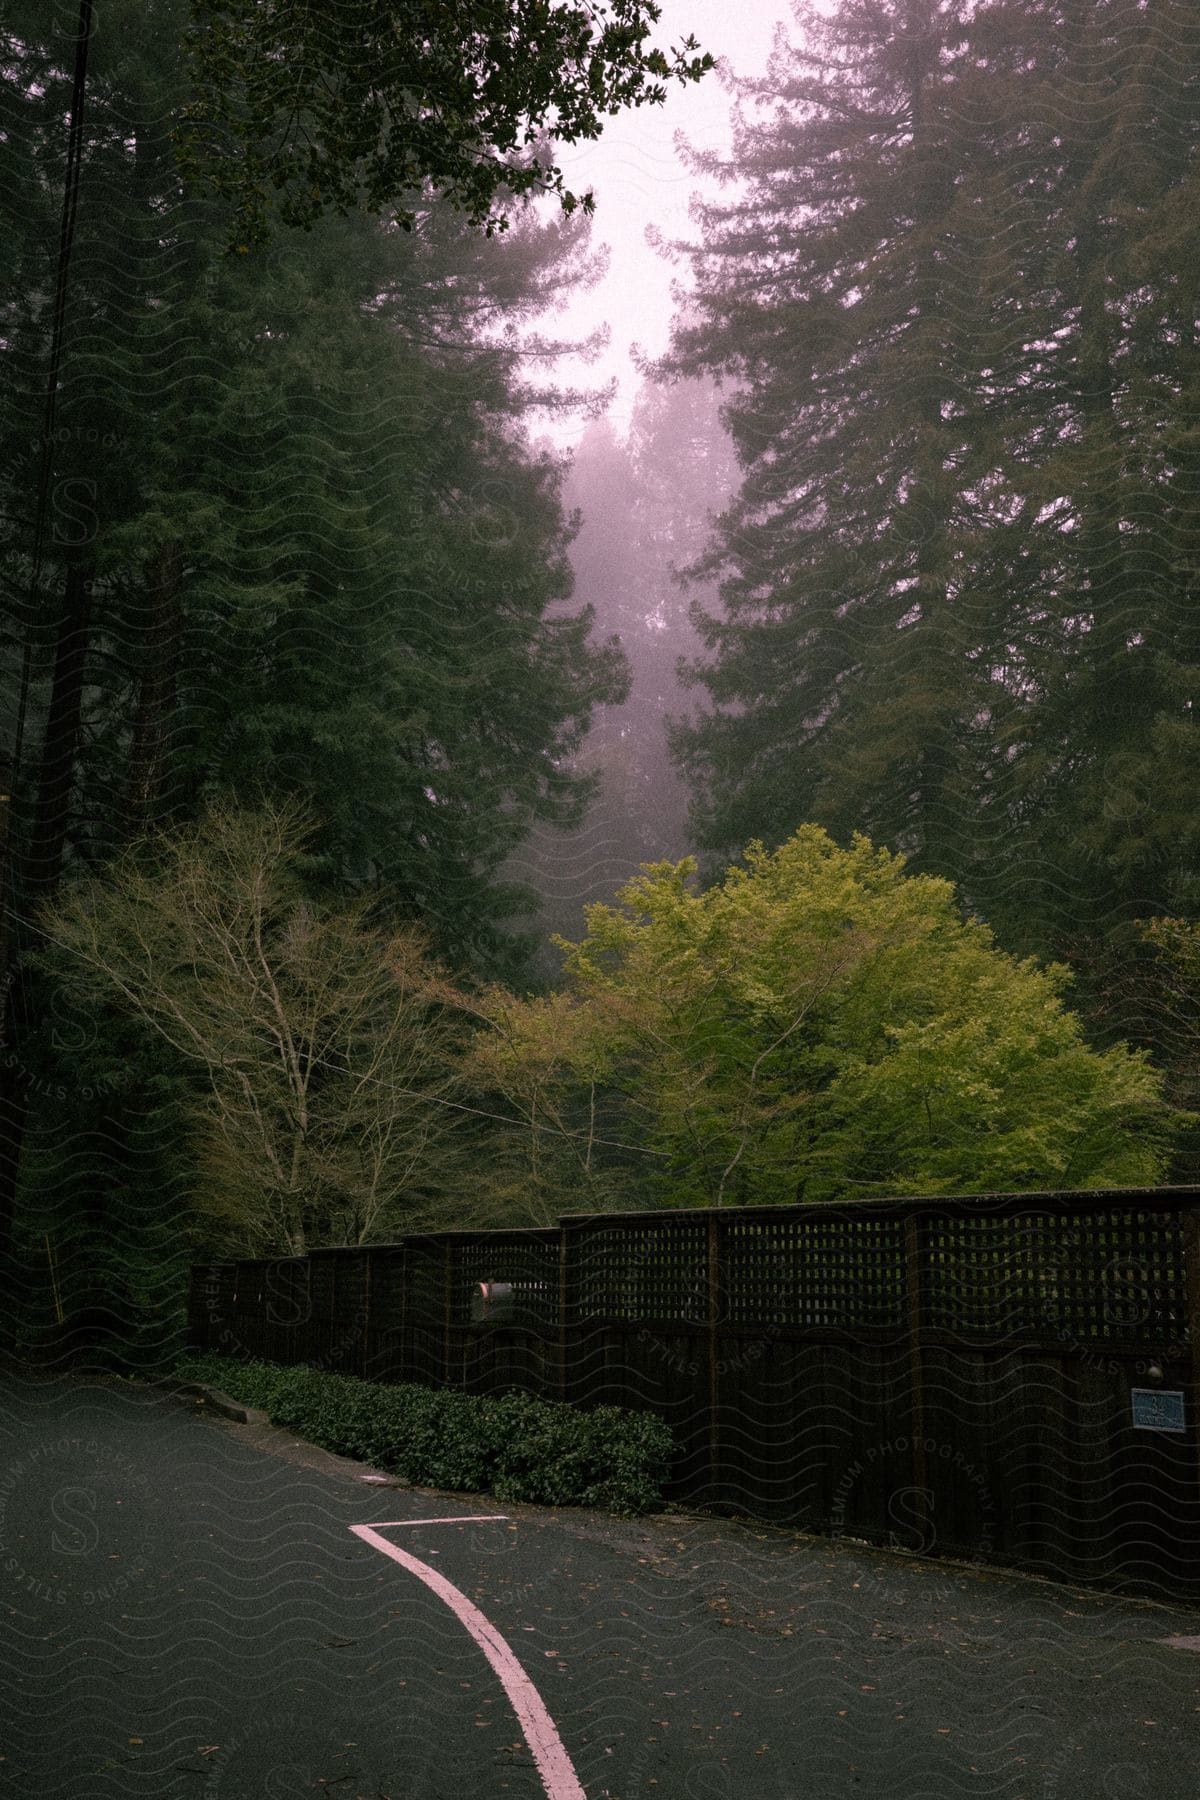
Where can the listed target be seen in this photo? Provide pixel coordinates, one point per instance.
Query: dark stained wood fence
(949, 1376)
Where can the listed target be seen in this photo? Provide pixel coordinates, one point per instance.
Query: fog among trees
(891, 575)
(645, 503)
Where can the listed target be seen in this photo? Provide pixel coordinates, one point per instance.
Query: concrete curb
(215, 1401)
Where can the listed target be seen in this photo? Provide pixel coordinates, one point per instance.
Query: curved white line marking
(554, 1765)
(453, 1519)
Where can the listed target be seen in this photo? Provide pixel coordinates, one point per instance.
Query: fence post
(447, 1307)
(562, 1312)
(1191, 1250)
(197, 1320)
(405, 1357)
(368, 1270)
(920, 1473)
(714, 1381)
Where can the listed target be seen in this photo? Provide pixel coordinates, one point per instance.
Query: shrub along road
(188, 1612)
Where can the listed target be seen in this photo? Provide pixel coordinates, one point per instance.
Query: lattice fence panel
(1089, 1278)
(220, 1292)
(425, 1279)
(842, 1272)
(251, 1287)
(287, 1291)
(351, 1293)
(389, 1273)
(322, 1291)
(528, 1264)
(631, 1271)
(211, 1302)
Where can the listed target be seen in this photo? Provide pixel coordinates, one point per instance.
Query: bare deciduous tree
(325, 1051)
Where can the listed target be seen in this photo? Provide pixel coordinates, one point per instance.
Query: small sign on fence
(1158, 1409)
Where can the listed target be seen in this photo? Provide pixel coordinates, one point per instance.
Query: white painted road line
(454, 1519)
(554, 1765)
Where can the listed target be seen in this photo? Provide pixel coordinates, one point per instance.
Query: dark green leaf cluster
(301, 110)
(312, 549)
(515, 1447)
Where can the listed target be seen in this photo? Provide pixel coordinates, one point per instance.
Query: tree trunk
(156, 690)
(55, 778)
(60, 745)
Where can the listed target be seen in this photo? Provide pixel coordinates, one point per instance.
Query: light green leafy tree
(821, 1025)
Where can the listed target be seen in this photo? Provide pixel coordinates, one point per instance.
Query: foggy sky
(639, 180)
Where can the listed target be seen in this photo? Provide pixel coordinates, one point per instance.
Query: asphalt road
(187, 1612)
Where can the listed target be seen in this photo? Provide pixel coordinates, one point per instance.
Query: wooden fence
(1008, 1377)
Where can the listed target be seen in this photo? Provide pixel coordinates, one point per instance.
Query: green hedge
(514, 1447)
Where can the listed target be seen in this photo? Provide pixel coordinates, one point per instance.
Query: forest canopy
(299, 110)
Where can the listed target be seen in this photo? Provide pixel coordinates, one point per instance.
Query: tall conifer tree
(828, 286)
(956, 588)
(298, 543)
